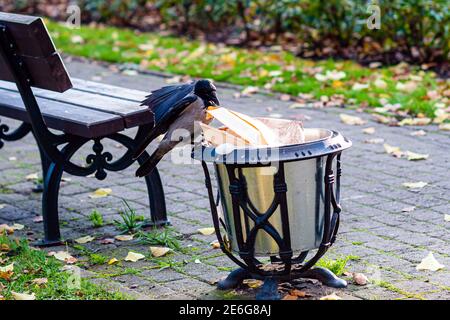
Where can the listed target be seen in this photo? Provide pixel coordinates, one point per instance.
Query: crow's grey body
(176, 110)
(183, 129)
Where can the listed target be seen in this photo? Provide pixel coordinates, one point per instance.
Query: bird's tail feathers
(147, 167)
(141, 148)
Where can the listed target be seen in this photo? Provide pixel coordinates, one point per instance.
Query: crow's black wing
(162, 100)
(165, 119)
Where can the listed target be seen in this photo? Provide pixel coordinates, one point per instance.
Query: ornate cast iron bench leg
(15, 135)
(98, 163)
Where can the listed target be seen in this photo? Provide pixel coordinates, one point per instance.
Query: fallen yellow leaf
(370, 130)
(418, 133)
(64, 256)
(411, 156)
(429, 263)
(215, 244)
(133, 256)
(352, 120)
(112, 261)
(5, 228)
(374, 141)
(8, 268)
(253, 283)
(100, 192)
(159, 251)
(17, 226)
(394, 151)
(124, 237)
(415, 185)
(206, 231)
(84, 240)
(23, 296)
(40, 281)
(32, 176)
(298, 293)
(415, 122)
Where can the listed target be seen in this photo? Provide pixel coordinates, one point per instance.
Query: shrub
(418, 30)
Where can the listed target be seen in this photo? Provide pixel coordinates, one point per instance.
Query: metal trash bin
(277, 202)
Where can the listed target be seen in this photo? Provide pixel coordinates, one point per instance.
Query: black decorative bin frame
(285, 265)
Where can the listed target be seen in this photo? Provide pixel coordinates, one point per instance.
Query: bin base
(269, 290)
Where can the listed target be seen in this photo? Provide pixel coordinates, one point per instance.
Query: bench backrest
(36, 50)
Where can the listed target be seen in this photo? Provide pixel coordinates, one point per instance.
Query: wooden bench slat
(68, 118)
(132, 112)
(109, 90)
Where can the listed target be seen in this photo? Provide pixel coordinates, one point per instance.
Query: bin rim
(332, 143)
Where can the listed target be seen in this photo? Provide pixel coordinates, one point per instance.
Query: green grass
(282, 71)
(130, 222)
(96, 218)
(336, 266)
(30, 263)
(164, 237)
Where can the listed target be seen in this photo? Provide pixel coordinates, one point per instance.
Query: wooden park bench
(37, 90)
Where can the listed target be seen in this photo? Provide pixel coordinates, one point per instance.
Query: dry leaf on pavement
(206, 231)
(38, 219)
(374, 141)
(84, 240)
(253, 283)
(298, 293)
(429, 263)
(133, 256)
(124, 237)
(415, 122)
(408, 209)
(289, 297)
(394, 151)
(447, 217)
(444, 126)
(370, 130)
(414, 185)
(107, 241)
(32, 176)
(418, 133)
(5, 228)
(352, 120)
(215, 244)
(112, 261)
(100, 193)
(360, 279)
(412, 156)
(64, 256)
(159, 251)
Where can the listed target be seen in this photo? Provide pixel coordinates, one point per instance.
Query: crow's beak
(213, 100)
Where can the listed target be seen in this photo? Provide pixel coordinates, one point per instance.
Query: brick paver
(388, 241)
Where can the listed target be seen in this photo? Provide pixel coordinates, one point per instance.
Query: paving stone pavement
(387, 242)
